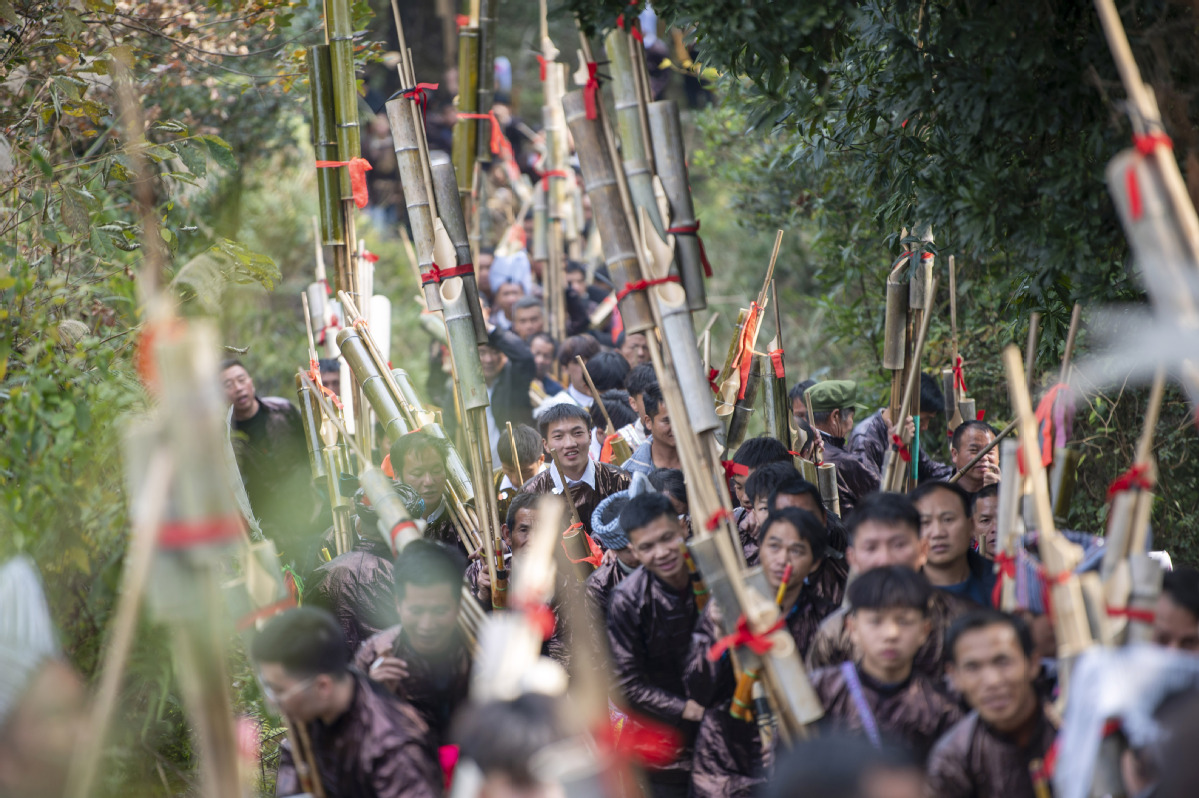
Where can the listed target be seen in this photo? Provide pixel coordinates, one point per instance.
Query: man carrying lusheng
(999, 749)
(879, 694)
(364, 741)
(885, 530)
(970, 438)
(834, 403)
(566, 435)
(650, 618)
(729, 760)
(871, 438)
(423, 659)
(508, 370)
(947, 527)
(659, 450)
(419, 461)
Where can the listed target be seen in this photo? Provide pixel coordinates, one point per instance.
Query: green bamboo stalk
(445, 191)
(486, 76)
(466, 131)
(324, 142)
(629, 122)
(345, 86)
(670, 161)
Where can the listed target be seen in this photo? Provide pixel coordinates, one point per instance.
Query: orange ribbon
(386, 468)
(499, 144)
(606, 453)
(743, 637)
(314, 374)
(693, 230)
(358, 168)
(749, 331)
(396, 530)
(596, 556)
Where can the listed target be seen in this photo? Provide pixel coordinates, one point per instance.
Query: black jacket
(510, 394)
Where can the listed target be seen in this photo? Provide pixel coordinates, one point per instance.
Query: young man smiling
(650, 617)
(997, 750)
(946, 526)
(566, 435)
(659, 449)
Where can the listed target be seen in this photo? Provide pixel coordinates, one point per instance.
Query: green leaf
(220, 150)
(67, 50)
(194, 158)
(39, 158)
(74, 214)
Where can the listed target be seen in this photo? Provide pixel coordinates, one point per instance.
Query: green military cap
(833, 395)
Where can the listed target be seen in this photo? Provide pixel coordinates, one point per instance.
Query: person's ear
(646, 421)
(505, 533)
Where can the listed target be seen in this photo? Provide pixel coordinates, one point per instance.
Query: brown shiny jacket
(608, 480)
(974, 761)
(358, 589)
(379, 748)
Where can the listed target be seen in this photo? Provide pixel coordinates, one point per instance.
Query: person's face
(428, 614)
(506, 295)
(877, 544)
(842, 422)
(42, 732)
(635, 349)
(986, 524)
(739, 481)
(302, 700)
(425, 473)
(543, 355)
(517, 536)
(799, 410)
(527, 322)
(800, 501)
(887, 639)
(332, 381)
(761, 510)
(990, 670)
(577, 282)
(569, 439)
(973, 441)
(782, 546)
(239, 389)
(1174, 626)
(657, 547)
(944, 527)
(493, 361)
(659, 427)
(483, 272)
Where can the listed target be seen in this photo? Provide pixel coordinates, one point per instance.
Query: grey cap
(605, 521)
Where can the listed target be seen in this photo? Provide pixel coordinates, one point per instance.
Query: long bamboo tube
(486, 77)
(537, 247)
(310, 417)
(629, 122)
(404, 136)
(445, 189)
(600, 183)
(670, 161)
(373, 382)
(464, 348)
(894, 477)
(466, 131)
(744, 407)
(345, 86)
(776, 404)
(678, 335)
(324, 142)
(1010, 524)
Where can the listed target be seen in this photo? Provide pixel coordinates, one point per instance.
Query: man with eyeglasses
(364, 743)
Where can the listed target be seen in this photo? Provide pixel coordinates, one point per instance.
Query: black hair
(969, 425)
(764, 480)
(981, 618)
(643, 510)
(607, 370)
(531, 302)
(928, 488)
(616, 402)
(652, 400)
(561, 412)
(575, 266)
(521, 501)
(757, 452)
(821, 416)
(405, 445)
(985, 492)
(584, 346)
(799, 389)
(833, 767)
(932, 400)
(544, 336)
(329, 364)
(640, 378)
(426, 562)
(229, 363)
(306, 641)
(528, 446)
(671, 482)
(793, 485)
(1182, 586)
(890, 587)
(529, 723)
(807, 525)
(893, 509)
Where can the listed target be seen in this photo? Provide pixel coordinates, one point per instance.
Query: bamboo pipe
(666, 136)
(466, 131)
(324, 141)
(417, 199)
(629, 121)
(913, 383)
(445, 190)
(486, 79)
(1030, 349)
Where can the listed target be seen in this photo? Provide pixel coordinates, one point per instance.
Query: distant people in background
(834, 403)
(985, 513)
(608, 370)
(508, 369)
(528, 317)
(659, 449)
(871, 438)
(584, 346)
(799, 408)
(638, 380)
(545, 353)
(634, 348)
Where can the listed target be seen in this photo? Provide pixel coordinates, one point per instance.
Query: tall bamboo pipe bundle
(670, 161)
(466, 131)
(776, 404)
(457, 472)
(340, 31)
(895, 476)
(558, 183)
(374, 384)
(744, 407)
(920, 301)
(486, 78)
(445, 190)
(310, 417)
(324, 141)
(537, 247)
(630, 124)
(405, 137)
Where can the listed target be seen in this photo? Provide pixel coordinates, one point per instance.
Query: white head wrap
(26, 632)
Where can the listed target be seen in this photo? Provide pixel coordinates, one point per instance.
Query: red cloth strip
(370, 257)
(596, 557)
(314, 374)
(693, 230)
(591, 91)
(717, 517)
(462, 20)
(545, 176)
(249, 619)
(642, 285)
(776, 358)
(1045, 421)
(1005, 568)
(714, 373)
(1136, 477)
(732, 469)
(386, 468)
(419, 94)
(749, 331)
(902, 448)
(744, 638)
(201, 532)
(959, 378)
(358, 168)
(1146, 144)
(541, 62)
(396, 530)
(1141, 616)
(498, 142)
(606, 454)
(438, 274)
(541, 617)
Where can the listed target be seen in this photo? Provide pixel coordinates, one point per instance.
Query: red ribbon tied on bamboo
(499, 144)
(1132, 614)
(776, 360)
(749, 331)
(959, 378)
(541, 617)
(596, 556)
(712, 375)
(314, 374)
(541, 62)
(642, 285)
(1137, 477)
(904, 453)
(419, 94)
(606, 453)
(358, 168)
(693, 230)
(591, 91)
(743, 637)
(438, 274)
(1146, 144)
(718, 516)
(1005, 568)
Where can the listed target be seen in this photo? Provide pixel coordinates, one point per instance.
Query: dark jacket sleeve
(287, 781)
(948, 776)
(578, 317)
(629, 662)
(869, 440)
(701, 676)
(511, 400)
(406, 771)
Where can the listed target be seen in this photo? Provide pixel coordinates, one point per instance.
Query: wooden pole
(1075, 317)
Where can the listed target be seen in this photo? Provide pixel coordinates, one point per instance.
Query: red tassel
(419, 94)
(591, 91)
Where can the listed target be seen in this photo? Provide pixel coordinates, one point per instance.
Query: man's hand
(389, 672)
(483, 585)
(988, 471)
(693, 711)
(609, 556)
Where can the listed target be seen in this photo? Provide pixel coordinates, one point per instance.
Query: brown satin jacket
(358, 589)
(379, 748)
(608, 480)
(973, 760)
